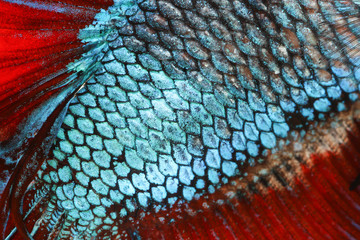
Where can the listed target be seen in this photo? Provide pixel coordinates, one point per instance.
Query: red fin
(38, 39)
(318, 204)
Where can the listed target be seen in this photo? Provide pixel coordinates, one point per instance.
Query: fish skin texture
(185, 97)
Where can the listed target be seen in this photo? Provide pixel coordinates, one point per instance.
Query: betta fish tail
(38, 40)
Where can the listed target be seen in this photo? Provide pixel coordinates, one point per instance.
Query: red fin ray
(314, 202)
(38, 39)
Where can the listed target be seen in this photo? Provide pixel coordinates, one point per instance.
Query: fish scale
(188, 93)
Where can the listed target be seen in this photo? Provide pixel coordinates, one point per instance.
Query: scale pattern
(190, 92)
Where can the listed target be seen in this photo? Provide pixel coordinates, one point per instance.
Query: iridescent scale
(189, 92)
